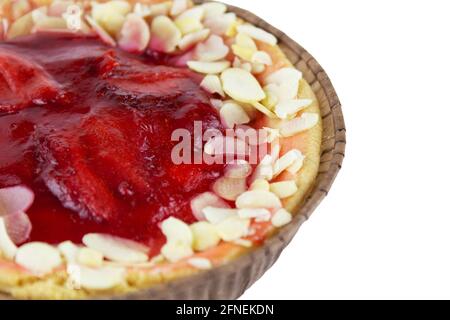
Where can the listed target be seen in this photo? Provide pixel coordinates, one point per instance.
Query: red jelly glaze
(88, 128)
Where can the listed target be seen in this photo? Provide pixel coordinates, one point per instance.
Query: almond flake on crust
(258, 199)
(175, 251)
(200, 263)
(96, 278)
(69, 251)
(287, 160)
(233, 228)
(233, 114)
(212, 84)
(205, 235)
(191, 39)
(208, 67)
(284, 189)
(242, 86)
(176, 230)
(258, 34)
(7, 247)
(281, 218)
(38, 257)
(115, 248)
(297, 125)
(90, 257)
(165, 35)
(217, 215)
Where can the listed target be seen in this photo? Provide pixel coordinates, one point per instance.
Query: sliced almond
(101, 32)
(272, 94)
(38, 257)
(212, 50)
(176, 251)
(206, 199)
(90, 257)
(97, 278)
(264, 170)
(258, 34)
(261, 108)
(244, 41)
(287, 108)
(262, 57)
(160, 9)
(205, 236)
(19, 8)
(221, 24)
(142, 10)
(238, 169)
(243, 243)
(259, 214)
(295, 126)
(217, 215)
(191, 39)
(258, 68)
(176, 230)
(115, 248)
(230, 188)
(233, 228)
(281, 218)
(200, 263)
(260, 184)
(135, 34)
(179, 6)
(208, 67)
(110, 15)
(165, 35)
(50, 23)
(7, 247)
(21, 26)
(258, 199)
(233, 114)
(243, 52)
(212, 84)
(287, 160)
(15, 199)
(69, 251)
(272, 134)
(296, 166)
(285, 82)
(284, 189)
(213, 9)
(18, 226)
(242, 86)
(190, 20)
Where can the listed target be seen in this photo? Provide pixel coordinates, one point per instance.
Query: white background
(384, 229)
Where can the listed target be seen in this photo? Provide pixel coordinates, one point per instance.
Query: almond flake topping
(115, 248)
(233, 228)
(206, 199)
(258, 34)
(230, 188)
(165, 35)
(178, 7)
(38, 257)
(135, 34)
(7, 247)
(233, 114)
(242, 86)
(200, 263)
(288, 108)
(205, 235)
(212, 49)
(96, 278)
(258, 199)
(208, 67)
(221, 24)
(69, 251)
(176, 230)
(191, 39)
(257, 213)
(217, 215)
(90, 257)
(212, 84)
(281, 218)
(213, 9)
(284, 189)
(190, 20)
(287, 160)
(295, 126)
(176, 251)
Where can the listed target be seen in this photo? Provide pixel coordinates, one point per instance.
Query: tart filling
(91, 95)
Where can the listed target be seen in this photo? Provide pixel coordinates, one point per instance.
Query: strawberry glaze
(88, 128)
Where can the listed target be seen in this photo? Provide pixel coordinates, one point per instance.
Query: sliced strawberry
(23, 83)
(68, 177)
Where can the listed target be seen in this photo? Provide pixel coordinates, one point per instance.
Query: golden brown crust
(21, 284)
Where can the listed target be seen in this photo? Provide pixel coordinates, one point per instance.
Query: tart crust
(20, 283)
